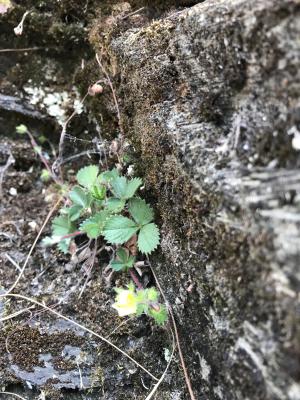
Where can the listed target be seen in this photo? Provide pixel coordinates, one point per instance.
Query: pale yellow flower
(126, 302)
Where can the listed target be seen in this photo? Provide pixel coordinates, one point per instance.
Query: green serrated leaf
(152, 294)
(63, 245)
(124, 261)
(122, 254)
(98, 192)
(37, 149)
(21, 129)
(148, 238)
(87, 176)
(79, 197)
(160, 316)
(141, 309)
(141, 212)
(45, 175)
(119, 229)
(124, 189)
(118, 187)
(115, 205)
(93, 226)
(108, 176)
(74, 212)
(118, 266)
(61, 226)
(132, 187)
(49, 241)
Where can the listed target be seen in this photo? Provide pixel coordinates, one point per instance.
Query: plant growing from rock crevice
(106, 205)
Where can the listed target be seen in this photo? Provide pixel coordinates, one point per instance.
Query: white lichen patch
(294, 391)
(296, 137)
(205, 368)
(56, 104)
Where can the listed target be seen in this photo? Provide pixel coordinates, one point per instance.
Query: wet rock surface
(209, 103)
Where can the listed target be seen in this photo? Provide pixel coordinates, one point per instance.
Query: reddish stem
(135, 279)
(77, 233)
(43, 159)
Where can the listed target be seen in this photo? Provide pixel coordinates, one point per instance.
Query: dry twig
(14, 394)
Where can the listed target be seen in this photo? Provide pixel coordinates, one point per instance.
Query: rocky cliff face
(211, 104)
(209, 99)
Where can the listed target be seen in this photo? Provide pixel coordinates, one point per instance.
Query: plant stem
(77, 233)
(135, 279)
(43, 159)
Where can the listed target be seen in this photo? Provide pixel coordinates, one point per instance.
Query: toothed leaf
(49, 241)
(123, 261)
(141, 212)
(122, 254)
(21, 129)
(148, 238)
(63, 245)
(93, 226)
(152, 294)
(118, 266)
(160, 316)
(98, 192)
(108, 176)
(132, 187)
(115, 205)
(118, 187)
(79, 197)
(87, 176)
(124, 189)
(119, 229)
(62, 226)
(74, 212)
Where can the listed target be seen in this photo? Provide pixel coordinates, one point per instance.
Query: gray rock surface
(209, 100)
(211, 104)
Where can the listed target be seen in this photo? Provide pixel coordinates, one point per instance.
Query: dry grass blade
(14, 394)
(30, 300)
(15, 314)
(21, 50)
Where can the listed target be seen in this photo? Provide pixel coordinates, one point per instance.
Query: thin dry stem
(43, 159)
(14, 394)
(15, 314)
(21, 50)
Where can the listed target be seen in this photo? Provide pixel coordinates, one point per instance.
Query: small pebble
(13, 191)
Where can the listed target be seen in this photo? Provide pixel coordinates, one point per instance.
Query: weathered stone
(209, 100)
(211, 104)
